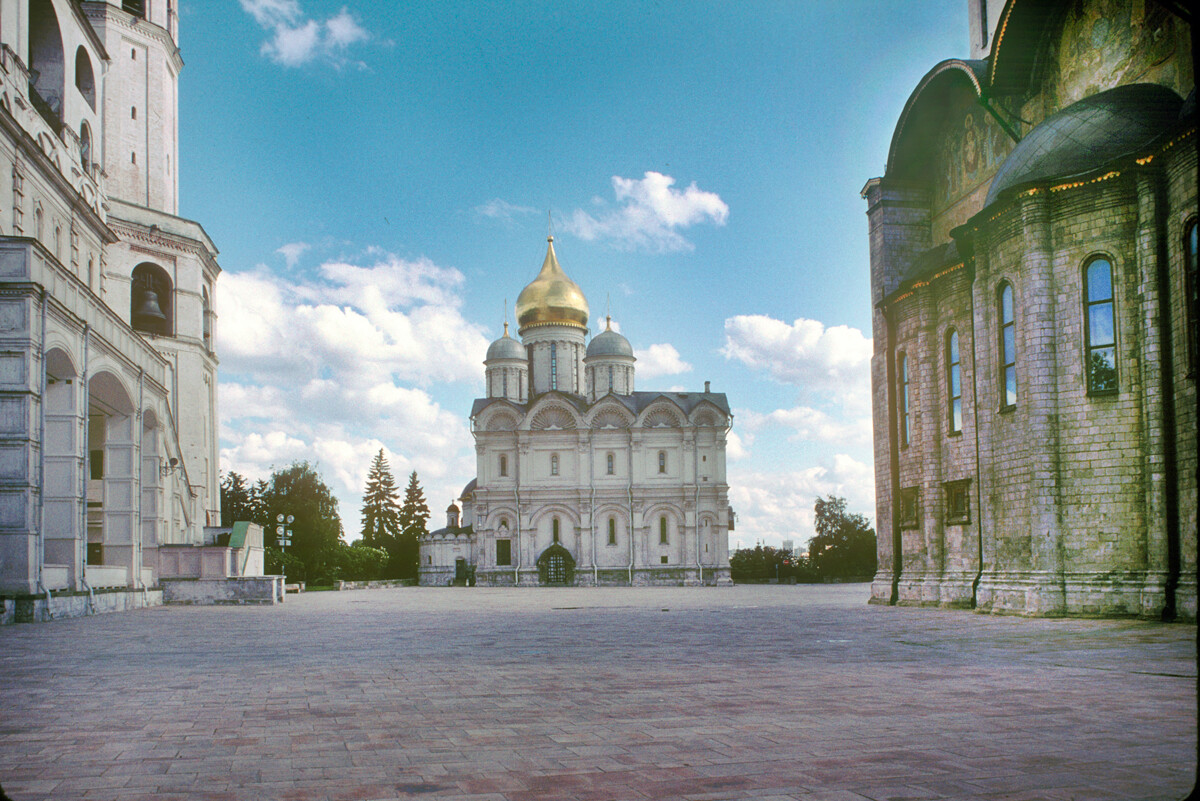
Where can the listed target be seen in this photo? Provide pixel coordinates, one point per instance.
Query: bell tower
(140, 151)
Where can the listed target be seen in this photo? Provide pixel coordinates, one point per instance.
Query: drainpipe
(630, 486)
(41, 518)
(138, 543)
(978, 489)
(83, 474)
(592, 481)
(894, 457)
(696, 482)
(517, 493)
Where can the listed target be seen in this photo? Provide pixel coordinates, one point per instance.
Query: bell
(149, 314)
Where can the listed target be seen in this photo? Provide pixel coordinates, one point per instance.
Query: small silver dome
(609, 343)
(505, 348)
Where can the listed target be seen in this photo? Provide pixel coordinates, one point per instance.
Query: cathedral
(108, 373)
(1034, 285)
(580, 479)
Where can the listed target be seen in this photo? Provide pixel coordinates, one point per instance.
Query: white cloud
(649, 214)
(504, 211)
(834, 360)
(807, 424)
(332, 366)
(772, 507)
(296, 39)
(659, 360)
(292, 252)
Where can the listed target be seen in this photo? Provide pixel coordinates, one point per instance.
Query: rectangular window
(1101, 332)
(553, 365)
(503, 553)
(910, 507)
(903, 398)
(958, 501)
(662, 559)
(954, 382)
(1008, 349)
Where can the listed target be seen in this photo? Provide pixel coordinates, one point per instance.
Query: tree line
(317, 554)
(844, 548)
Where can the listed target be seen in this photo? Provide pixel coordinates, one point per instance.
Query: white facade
(585, 481)
(108, 438)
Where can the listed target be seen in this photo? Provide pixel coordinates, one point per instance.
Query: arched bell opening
(151, 306)
(46, 67)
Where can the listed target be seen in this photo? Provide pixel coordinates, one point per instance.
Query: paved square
(605, 694)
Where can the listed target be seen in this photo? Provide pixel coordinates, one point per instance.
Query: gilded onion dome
(552, 298)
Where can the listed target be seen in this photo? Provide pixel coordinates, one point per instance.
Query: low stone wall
(231, 591)
(62, 605)
(373, 585)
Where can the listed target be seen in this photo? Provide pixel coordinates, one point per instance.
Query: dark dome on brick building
(1090, 134)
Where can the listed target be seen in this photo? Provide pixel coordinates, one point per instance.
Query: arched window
(610, 378)
(58, 242)
(553, 365)
(206, 322)
(610, 463)
(1192, 276)
(85, 79)
(902, 397)
(953, 381)
(39, 223)
(662, 530)
(1008, 348)
(151, 306)
(662, 461)
(1099, 324)
(85, 146)
(554, 464)
(504, 381)
(46, 63)
(503, 465)
(612, 531)
(554, 532)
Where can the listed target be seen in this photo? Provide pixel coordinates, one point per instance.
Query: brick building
(1033, 274)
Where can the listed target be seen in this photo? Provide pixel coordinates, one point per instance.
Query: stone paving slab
(771, 693)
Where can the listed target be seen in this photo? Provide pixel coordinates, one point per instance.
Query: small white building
(581, 479)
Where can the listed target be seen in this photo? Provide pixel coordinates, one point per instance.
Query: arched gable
(1020, 45)
(923, 117)
(499, 416)
(662, 413)
(610, 413)
(708, 414)
(550, 414)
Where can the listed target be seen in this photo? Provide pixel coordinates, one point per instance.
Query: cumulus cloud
(772, 507)
(659, 360)
(296, 39)
(336, 364)
(292, 252)
(649, 214)
(805, 354)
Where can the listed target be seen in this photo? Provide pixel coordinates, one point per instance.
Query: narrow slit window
(1193, 296)
(662, 530)
(612, 531)
(554, 530)
(554, 464)
(553, 365)
(1101, 329)
(953, 382)
(1008, 349)
(503, 465)
(662, 461)
(610, 464)
(902, 370)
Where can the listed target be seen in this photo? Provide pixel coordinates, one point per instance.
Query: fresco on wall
(1109, 43)
(972, 148)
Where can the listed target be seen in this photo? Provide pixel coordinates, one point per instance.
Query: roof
(609, 343)
(552, 298)
(467, 490)
(635, 402)
(1090, 134)
(237, 535)
(505, 348)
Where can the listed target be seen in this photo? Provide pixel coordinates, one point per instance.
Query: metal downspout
(141, 442)
(517, 493)
(83, 474)
(696, 501)
(41, 519)
(592, 514)
(978, 488)
(630, 487)
(894, 458)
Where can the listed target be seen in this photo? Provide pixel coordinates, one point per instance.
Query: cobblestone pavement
(765, 693)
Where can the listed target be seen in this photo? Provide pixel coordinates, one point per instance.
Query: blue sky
(378, 175)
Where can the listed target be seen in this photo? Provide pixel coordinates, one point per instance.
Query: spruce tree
(414, 514)
(381, 506)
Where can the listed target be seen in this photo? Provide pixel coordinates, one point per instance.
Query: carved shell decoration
(502, 422)
(610, 418)
(706, 418)
(661, 418)
(552, 417)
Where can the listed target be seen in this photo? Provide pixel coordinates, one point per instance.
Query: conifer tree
(414, 514)
(381, 506)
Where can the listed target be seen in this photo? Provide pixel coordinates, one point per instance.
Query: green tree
(237, 500)
(760, 563)
(414, 515)
(381, 506)
(317, 529)
(845, 543)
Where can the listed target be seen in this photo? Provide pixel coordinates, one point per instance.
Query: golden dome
(551, 298)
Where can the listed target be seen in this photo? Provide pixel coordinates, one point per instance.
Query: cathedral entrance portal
(556, 566)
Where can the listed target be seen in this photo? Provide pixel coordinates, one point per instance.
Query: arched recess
(915, 142)
(46, 67)
(85, 146)
(151, 300)
(673, 548)
(151, 480)
(62, 509)
(542, 525)
(85, 78)
(612, 518)
(706, 533)
(112, 478)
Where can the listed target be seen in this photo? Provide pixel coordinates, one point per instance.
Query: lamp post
(283, 534)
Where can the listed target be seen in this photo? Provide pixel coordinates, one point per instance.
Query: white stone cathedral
(108, 375)
(580, 479)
